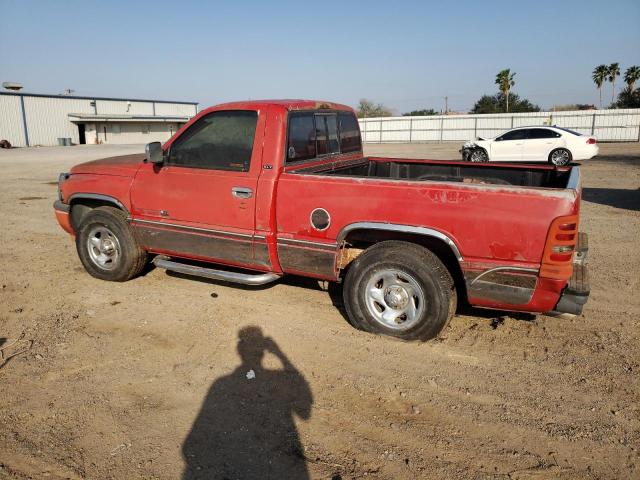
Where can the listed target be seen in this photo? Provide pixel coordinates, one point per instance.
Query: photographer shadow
(245, 428)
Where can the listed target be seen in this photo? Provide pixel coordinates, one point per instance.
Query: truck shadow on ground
(625, 159)
(613, 197)
(466, 310)
(245, 427)
(303, 282)
(334, 290)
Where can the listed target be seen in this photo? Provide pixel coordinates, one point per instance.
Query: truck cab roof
(288, 104)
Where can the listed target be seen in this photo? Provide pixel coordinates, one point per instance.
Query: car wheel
(107, 247)
(560, 157)
(478, 155)
(399, 289)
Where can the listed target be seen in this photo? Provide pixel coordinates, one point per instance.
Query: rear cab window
(318, 134)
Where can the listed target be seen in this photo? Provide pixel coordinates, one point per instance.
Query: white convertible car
(556, 145)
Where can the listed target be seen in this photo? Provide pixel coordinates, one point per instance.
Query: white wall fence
(621, 125)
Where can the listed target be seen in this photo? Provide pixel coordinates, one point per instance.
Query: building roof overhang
(110, 118)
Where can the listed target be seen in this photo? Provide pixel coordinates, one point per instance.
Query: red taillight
(565, 236)
(557, 259)
(567, 227)
(591, 141)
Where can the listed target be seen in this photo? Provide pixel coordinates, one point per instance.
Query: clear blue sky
(406, 54)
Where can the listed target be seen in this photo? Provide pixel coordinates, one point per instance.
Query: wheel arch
(486, 148)
(358, 236)
(82, 203)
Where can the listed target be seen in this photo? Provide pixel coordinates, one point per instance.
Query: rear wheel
(560, 157)
(107, 247)
(399, 289)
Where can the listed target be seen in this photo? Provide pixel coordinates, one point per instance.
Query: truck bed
(430, 170)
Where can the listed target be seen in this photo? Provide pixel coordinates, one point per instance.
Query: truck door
(200, 203)
(508, 147)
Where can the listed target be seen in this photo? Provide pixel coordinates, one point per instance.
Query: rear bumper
(62, 211)
(586, 152)
(576, 293)
(571, 303)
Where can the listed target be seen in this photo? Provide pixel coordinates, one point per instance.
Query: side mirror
(153, 153)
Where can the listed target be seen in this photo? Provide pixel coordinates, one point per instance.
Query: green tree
(504, 80)
(613, 73)
(495, 104)
(420, 113)
(367, 109)
(628, 98)
(631, 76)
(599, 75)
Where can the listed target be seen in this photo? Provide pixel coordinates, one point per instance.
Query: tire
(560, 157)
(107, 247)
(478, 155)
(399, 289)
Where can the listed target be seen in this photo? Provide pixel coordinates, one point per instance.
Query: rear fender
(391, 227)
(354, 239)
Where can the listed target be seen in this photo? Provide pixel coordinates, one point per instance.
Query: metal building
(30, 119)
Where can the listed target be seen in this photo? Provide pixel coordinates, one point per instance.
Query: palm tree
(631, 76)
(599, 75)
(613, 73)
(504, 80)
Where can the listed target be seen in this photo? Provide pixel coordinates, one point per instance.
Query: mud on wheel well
(361, 239)
(81, 206)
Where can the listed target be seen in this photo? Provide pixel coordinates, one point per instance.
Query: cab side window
(302, 137)
(349, 133)
(218, 141)
(316, 134)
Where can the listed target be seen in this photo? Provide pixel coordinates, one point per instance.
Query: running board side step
(233, 277)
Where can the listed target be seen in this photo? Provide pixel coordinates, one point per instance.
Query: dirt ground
(144, 379)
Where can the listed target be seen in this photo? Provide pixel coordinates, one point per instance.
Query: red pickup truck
(250, 191)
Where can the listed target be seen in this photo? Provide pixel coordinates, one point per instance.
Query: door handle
(242, 192)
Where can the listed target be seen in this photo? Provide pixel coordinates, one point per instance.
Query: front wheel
(107, 247)
(560, 157)
(399, 289)
(478, 155)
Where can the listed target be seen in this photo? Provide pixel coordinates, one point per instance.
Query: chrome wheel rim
(103, 247)
(394, 299)
(560, 157)
(477, 156)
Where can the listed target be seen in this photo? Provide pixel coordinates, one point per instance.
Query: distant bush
(421, 113)
(367, 109)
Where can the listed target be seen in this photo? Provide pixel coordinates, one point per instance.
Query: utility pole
(446, 105)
